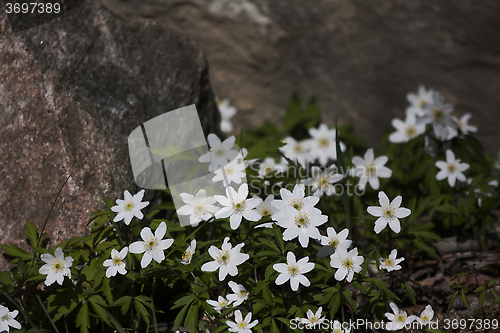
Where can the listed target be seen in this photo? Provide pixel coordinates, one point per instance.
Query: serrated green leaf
(82, 319)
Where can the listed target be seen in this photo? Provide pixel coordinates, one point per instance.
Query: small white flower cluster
(399, 318)
(321, 146)
(428, 107)
(227, 111)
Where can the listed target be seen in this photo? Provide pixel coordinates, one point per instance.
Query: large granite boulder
(71, 91)
(359, 57)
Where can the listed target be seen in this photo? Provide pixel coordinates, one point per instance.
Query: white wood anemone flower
(234, 172)
(296, 150)
(220, 304)
(398, 319)
(220, 154)
(347, 263)
(56, 267)
(420, 100)
(227, 111)
(302, 224)
(388, 213)
(269, 165)
(226, 259)
(241, 325)
(463, 124)
(313, 320)
(426, 315)
(294, 271)
(439, 115)
(332, 241)
(406, 130)
(152, 245)
(265, 208)
(240, 293)
(322, 146)
(370, 169)
(116, 263)
(451, 169)
(7, 319)
(322, 179)
(391, 263)
(188, 254)
(237, 206)
(295, 199)
(129, 207)
(199, 207)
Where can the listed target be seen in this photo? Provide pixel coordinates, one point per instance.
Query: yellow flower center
(334, 242)
(243, 324)
(298, 148)
(117, 261)
(229, 169)
(296, 203)
(348, 263)
(411, 131)
(301, 220)
(268, 169)
(423, 104)
(323, 142)
(265, 210)
(323, 182)
(388, 212)
(401, 318)
(223, 257)
(293, 269)
(437, 114)
(425, 318)
(219, 152)
(199, 210)
(151, 243)
(6, 316)
(238, 205)
(451, 168)
(186, 255)
(389, 262)
(129, 205)
(313, 319)
(57, 265)
(371, 170)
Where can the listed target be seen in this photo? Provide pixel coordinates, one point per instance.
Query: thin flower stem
(196, 279)
(47, 313)
(152, 303)
(21, 309)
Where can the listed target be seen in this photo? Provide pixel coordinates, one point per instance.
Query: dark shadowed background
(359, 58)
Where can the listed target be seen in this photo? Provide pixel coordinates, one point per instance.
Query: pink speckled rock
(71, 91)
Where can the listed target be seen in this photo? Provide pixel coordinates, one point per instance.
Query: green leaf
(100, 311)
(31, 232)
(464, 299)
(496, 296)
(411, 293)
(142, 310)
(115, 322)
(192, 318)
(6, 279)
(182, 301)
(180, 316)
(82, 319)
(334, 304)
(268, 243)
(279, 237)
(16, 251)
(452, 298)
